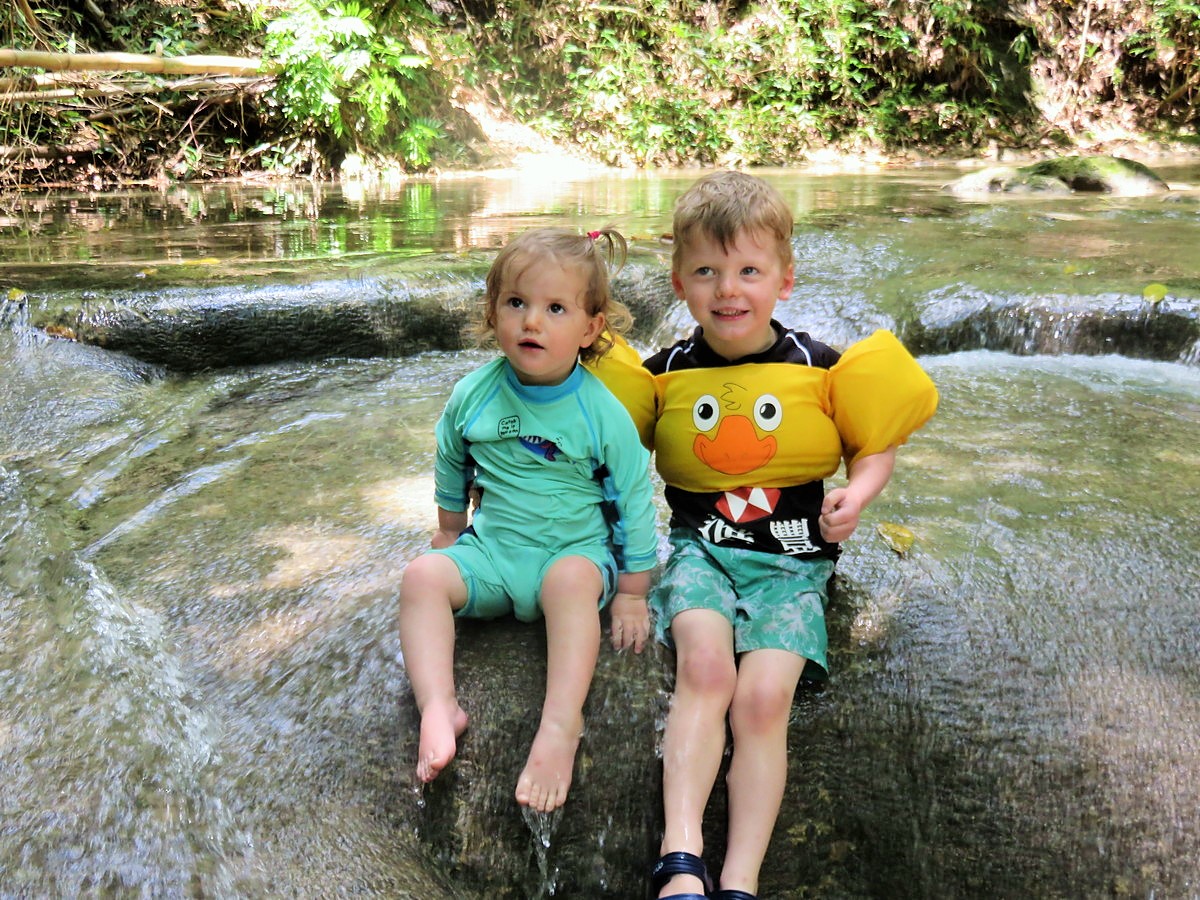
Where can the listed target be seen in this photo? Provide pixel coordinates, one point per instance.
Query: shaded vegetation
(644, 82)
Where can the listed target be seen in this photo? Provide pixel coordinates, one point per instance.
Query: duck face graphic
(735, 429)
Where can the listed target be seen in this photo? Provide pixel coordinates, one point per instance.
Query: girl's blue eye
(514, 302)
(557, 308)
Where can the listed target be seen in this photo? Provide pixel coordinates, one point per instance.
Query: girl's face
(541, 321)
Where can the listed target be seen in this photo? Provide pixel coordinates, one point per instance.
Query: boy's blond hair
(722, 204)
(590, 253)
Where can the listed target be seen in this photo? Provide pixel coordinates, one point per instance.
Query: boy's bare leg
(759, 716)
(431, 590)
(694, 741)
(570, 603)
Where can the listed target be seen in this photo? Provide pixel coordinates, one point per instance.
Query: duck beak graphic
(736, 447)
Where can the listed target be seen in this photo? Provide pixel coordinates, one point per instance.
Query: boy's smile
(731, 291)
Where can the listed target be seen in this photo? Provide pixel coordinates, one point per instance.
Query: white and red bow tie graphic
(748, 503)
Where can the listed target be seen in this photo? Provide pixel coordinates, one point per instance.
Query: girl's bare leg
(570, 602)
(430, 592)
(694, 741)
(759, 716)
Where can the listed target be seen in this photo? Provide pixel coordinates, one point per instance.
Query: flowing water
(199, 683)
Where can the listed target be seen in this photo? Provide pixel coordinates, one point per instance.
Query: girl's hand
(443, 538)
(630, 621)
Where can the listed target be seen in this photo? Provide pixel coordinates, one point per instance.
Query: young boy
(749, 418)
(566, 515)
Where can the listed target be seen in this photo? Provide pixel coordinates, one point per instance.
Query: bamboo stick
(116, 90)
(131, 62)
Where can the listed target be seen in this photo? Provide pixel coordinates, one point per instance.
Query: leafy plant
(339, 78)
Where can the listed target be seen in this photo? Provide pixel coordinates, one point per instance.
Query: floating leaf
(1154, 292)
(1070, 269)
(60, 331)
(896, 536)
(15, 294)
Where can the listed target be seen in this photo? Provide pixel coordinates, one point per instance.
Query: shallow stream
(199, 686)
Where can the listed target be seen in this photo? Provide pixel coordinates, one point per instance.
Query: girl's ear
(595, 326)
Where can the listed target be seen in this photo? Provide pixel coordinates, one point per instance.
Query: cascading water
(200, 692)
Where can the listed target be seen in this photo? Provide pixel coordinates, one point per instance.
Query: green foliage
(655, 82)
(341, 80)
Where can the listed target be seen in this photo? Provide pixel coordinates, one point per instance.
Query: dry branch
(187, 85)
(131, 62)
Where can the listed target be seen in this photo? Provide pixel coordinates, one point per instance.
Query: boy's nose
(726, 286)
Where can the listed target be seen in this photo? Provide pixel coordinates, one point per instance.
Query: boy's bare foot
(441, 724)
(547, 777)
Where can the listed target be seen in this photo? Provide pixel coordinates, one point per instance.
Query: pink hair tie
(593, 234)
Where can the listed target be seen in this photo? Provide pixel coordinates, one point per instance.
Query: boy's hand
(630, 621)
(840, 513)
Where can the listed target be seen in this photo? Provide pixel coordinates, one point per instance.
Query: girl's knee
(429, 574)
(573, 576)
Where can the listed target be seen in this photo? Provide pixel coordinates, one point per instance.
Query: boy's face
(731, 291)
(541, 322)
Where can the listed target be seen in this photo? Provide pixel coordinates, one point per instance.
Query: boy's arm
(842, 507)
(629, 612)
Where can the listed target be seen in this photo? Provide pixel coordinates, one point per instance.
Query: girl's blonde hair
(592, 254)
(723, 203)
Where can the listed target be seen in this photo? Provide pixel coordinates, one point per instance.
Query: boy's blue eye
(750, 270)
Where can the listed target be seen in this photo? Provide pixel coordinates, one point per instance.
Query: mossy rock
(1062, 175)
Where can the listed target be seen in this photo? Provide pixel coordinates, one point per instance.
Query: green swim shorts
(508, 579)
(773, 601)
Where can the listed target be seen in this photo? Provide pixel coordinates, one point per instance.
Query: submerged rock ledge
(217, 328)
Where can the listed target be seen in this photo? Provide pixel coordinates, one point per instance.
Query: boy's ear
(676, 284)
(789, 280)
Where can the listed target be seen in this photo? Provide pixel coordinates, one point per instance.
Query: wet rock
(1064, 175)
(601, 843)
(190, 331)
(1130, 326)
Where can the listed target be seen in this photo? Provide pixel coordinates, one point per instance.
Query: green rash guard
(557, 464)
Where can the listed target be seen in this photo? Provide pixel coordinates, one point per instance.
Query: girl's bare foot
(441, 724)
(547, 777)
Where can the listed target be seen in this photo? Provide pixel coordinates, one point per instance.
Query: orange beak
(736, 449)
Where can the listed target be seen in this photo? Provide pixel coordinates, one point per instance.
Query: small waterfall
(110, 760)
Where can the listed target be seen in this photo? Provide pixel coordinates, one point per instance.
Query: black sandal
(680, 863)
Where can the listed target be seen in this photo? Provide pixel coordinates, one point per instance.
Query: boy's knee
(761, 705)
(709, 671)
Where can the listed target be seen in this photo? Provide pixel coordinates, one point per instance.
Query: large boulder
(1064, 175)
(602, 842)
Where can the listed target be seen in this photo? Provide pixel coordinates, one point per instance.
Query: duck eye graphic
(768, 412)
(706, 412)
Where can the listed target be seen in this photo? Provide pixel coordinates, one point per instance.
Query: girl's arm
(450, 526)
